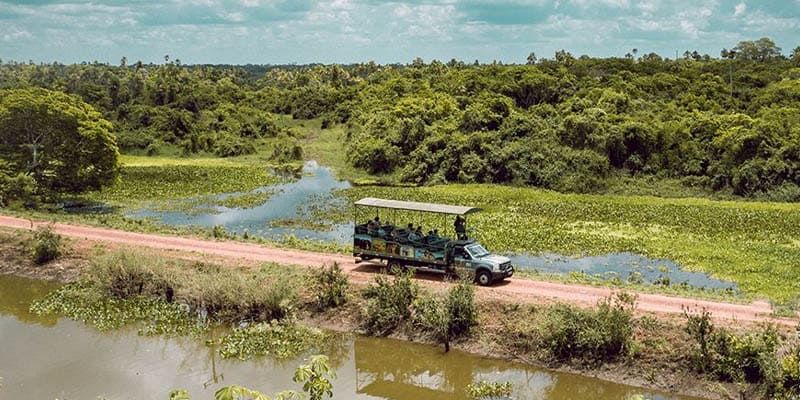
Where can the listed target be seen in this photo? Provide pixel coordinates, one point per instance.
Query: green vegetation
(599, 335)
(224, 293)
(316, 376)
(331, 286)
(750, 243)
(52, 143)
(489, 390)
(389, 302)
(83, 301)
(149, 179)
(752, 357)
(568, 123)
(276, 339)
(46, 245)
(447, 319)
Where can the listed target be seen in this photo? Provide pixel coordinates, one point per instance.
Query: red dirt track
(520, 290)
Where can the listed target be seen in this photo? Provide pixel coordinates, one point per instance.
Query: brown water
(47, 358)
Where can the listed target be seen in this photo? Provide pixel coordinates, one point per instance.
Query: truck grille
(505, 266)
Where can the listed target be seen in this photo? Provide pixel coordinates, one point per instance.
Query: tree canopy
(56, 139)
(566, 123)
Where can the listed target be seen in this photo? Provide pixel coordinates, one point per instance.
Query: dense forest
(566, 123)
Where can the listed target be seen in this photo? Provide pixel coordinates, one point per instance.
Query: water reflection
(288, 202)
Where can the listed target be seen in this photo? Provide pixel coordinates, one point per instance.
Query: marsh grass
(224, 293)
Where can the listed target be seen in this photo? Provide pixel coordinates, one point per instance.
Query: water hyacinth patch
(83, 301)
(279, 340)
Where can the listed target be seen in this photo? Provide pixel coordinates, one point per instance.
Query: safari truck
(403, 247)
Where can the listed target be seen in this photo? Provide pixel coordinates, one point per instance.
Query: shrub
(461, 309)
(231, 146)
(331, 286)
(286, 149)
(447, 319)
(701, 329)
(16, 187)
(389, 302)
(790, 366)
(46, 245)
(750, 358)
(599, 335)
(225, 293)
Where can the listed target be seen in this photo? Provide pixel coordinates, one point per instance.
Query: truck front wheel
(483, 277)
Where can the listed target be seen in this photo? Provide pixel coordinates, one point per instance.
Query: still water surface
(47, 358)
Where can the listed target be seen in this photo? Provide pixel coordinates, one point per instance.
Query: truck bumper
(500, 275)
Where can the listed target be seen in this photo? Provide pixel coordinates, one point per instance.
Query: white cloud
(740, 9)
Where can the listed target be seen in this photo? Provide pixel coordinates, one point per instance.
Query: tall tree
(59, 140)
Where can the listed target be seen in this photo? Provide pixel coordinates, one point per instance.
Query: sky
(348, 31)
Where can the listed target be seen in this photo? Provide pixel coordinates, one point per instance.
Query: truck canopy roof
(415, 206)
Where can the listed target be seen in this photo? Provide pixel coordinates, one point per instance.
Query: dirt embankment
(514, 290)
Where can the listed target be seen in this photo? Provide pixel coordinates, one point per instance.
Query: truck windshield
(477, 251)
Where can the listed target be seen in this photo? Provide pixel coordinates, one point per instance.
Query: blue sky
(303, 31)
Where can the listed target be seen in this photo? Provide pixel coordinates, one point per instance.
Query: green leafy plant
(599, 335)
(46, 245)
(331, 286)
(700, 328)
(280, 340)
(316, 376)
(389, 302)
(450, 318)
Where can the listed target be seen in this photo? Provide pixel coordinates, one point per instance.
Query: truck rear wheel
(483, 278)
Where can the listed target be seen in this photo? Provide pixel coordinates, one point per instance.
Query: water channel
(48, 357)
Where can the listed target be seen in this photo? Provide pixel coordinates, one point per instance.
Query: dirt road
(521, 290)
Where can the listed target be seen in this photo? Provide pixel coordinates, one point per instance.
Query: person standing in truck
(461, 228)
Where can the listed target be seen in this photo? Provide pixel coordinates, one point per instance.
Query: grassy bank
(177, 297)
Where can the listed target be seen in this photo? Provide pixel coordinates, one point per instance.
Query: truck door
(461, 259)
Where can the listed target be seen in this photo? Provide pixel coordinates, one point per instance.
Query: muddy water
(46, 358)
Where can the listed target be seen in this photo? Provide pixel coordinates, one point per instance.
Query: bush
(790, 366)
(331, 286)
(599, 335)
(224, 293)
(389, 302)
(701, 329)
(750, 358)
(286, 149)
(18, 187)
(46, 245)
(231, 146)
(450, 318)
